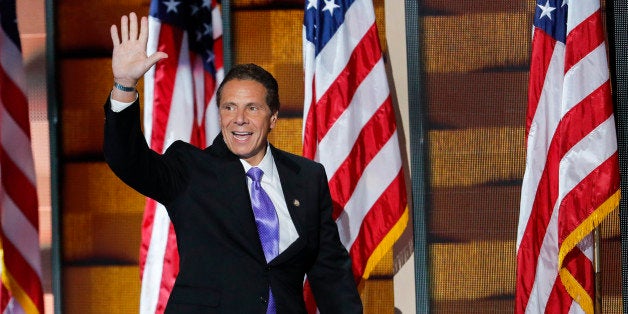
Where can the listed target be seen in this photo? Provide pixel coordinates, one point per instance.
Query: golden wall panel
(474, 270)
(489, 36)
(101, 289)
(475, 207)
(83, 26)
(82, 101)
(287, 135)
(92, 187)
(476, 156)
(101, 216)
(378, 296)
(100, 238)
(476, 99)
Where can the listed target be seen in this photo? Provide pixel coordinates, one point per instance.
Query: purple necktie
(266, 221)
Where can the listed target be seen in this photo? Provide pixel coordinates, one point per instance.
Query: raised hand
(129, 61)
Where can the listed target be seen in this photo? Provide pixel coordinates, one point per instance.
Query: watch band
(123, 88)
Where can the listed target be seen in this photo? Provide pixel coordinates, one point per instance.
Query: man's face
(245, 119)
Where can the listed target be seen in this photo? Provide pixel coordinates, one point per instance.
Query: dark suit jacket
(222, 265)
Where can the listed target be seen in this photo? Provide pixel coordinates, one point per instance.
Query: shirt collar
(267, 165)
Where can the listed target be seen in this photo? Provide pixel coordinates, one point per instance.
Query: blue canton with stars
(195, 17)
(551, 16)
(8, 20)
(322, 19)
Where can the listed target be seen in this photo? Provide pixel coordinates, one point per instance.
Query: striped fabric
(571, 180)
(179, 104)
(21, 290)
(349, 126)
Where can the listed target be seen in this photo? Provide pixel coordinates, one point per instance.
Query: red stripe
(5, 295)
(199, 75)
(23, 273)
(373, 136)
(559, 300)
(165, 74)
(539, 63)
(219, 62)
(581, 268)
(15, 102)
(583, 39)
(339, 94)
(377, 223)
(576, 124)
(310, 142)
(18, 187)
(587, 196)
(147, 230)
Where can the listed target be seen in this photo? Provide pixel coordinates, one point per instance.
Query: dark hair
(253, 72)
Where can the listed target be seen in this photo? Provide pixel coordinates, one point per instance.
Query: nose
(240, 117)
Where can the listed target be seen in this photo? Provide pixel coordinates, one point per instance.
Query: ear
(273, 119)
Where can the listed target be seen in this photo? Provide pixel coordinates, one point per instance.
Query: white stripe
(333, 58)
(153, 268)
(154, 28)
(14, 307)
(542, 130)
(17, 145)
(340, 139)
(586, 156)
(181, 116)
(579, 11)
(21, 233)
(585, 77)
(375, 179)
(212, 116)
(576, 309)
(216, 22)
(309, 63)
(11, 61)
(198, 80)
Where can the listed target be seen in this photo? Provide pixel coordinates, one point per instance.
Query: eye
(228, 107)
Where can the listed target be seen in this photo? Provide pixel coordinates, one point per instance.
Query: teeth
(241, 135)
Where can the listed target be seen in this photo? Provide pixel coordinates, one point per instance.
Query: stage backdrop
(475, 59)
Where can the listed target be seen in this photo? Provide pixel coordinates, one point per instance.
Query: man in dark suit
(213, 198)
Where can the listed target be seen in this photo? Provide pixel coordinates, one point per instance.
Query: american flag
(21, 290)
(179, 104)
(571, 180)
(349, 126)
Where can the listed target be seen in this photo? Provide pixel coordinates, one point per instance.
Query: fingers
(155, 57)
(132, 26)
(129, 29)
(124, 28)
(114, 35)
(144, 30)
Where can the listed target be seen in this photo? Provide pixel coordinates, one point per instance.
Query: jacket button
(267, 268)
(263, 300)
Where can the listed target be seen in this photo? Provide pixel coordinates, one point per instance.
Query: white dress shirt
(272, 185)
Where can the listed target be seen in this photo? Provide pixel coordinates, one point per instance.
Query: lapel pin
(296, 202)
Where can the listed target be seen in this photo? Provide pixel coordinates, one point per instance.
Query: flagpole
(597, 271)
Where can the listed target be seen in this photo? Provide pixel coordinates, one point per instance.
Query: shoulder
(296, 162)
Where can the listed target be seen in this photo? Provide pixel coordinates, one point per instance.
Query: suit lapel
(292, 187)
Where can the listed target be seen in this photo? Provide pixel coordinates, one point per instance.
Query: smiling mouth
(241, 136)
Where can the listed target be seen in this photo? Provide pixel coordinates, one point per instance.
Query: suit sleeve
(130, 158)
(331, 277)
